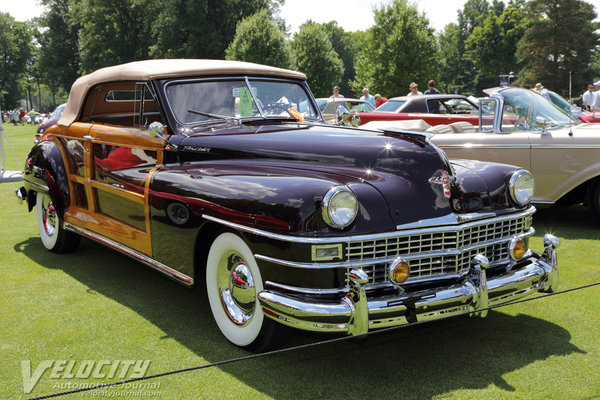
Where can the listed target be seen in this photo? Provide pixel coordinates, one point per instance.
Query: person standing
(431, 88)
(366, 96)
(336, 93)
(595, 106)
(414, 90)
(588, 98)
(379, 100)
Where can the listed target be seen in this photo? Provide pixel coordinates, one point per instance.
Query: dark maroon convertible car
(225, 174)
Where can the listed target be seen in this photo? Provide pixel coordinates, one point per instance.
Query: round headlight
(521, 187)
(340, 207)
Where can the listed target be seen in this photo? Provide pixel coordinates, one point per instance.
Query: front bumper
(356, 314)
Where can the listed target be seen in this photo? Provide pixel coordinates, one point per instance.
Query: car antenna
(570, 116)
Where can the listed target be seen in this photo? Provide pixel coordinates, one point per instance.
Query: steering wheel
(522, 124)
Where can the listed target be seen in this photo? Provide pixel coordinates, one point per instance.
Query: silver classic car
(225, 174)
(519, 127)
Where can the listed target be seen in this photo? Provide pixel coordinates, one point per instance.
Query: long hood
(399, 178)
(400, 167)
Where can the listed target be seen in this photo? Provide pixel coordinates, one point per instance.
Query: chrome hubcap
(48, 216)
(236, 288)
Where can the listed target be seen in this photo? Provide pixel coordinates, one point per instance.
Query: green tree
(200, 28)
(401, 48)
(345, 46)
(113, 31)
(58, 60)
(459, 72)
(560, 38)
(259, 39)
(492, 46)
(15, 51)
(314, 55)
(451, 60)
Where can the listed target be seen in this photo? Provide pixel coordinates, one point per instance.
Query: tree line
(537, 40)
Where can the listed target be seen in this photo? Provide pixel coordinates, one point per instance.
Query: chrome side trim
(482, 146)
(384, 260)
(43, 187)
(350, 238)
(149, 261)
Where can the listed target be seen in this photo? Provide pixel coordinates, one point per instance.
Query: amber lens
(400, 272)
(518, 249)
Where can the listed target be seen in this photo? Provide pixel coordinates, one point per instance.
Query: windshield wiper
(210, 115)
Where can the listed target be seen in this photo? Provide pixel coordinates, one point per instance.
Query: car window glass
(210, 100)
(522, 109)
(322, 103)
(276, 98)
(390, 106)
(436, 106)
(120, 103)
(459, 106)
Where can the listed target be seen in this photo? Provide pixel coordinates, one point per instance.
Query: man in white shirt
(596, 103)
(588, 98)
(414, 90)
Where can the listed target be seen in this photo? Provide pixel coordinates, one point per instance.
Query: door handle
(88, 137)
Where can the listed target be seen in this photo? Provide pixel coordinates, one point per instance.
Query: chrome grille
(439, 251)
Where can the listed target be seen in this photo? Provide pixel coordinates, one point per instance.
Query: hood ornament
(443, 179)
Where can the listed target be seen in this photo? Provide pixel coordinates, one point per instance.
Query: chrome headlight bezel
(337, 216)
(521, 187)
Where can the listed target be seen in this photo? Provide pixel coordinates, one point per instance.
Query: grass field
(97, 305)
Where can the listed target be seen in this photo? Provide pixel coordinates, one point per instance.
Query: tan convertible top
(157, 69)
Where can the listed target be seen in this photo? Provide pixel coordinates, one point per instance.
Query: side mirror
(156, 129)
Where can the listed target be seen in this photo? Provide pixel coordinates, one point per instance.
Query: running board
(149, 261)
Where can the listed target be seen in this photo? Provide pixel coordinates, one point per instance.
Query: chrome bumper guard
(355, 314)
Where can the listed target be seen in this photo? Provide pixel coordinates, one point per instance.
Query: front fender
(45, 171)
(274, 199)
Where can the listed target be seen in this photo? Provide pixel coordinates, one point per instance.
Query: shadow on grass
(418, 362)
(575, 222)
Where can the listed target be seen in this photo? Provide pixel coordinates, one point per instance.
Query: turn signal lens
(399, 271)
(517, 249)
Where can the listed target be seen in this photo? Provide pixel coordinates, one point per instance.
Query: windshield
(560, 102)
(523, 110)
(390, 106)
(58, 111)
(223, 99)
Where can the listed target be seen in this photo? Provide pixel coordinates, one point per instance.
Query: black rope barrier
(305, 346)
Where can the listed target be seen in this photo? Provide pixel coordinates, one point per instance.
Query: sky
(351, 15)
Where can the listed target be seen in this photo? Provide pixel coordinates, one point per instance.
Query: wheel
(233, 281)
(52, 232)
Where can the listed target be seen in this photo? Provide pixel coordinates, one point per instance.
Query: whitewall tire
(233, 281)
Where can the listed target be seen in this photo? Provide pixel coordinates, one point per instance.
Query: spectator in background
(595, 106)
(588, 98)
(366, 96)
(414, 90)
(336, 93)
(431, 88)
(379, 100)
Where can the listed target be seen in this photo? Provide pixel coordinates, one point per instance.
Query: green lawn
(98, 305)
